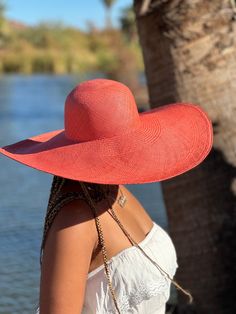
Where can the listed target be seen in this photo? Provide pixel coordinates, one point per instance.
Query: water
(30, 105)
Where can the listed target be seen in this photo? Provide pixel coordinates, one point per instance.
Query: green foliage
(56, 48)
(2, 10)
(127, 22)
(4, 27)
(108, 3)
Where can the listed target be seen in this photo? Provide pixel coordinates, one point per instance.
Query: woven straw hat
(106, 140)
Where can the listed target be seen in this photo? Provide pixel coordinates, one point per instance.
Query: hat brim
(170, 140)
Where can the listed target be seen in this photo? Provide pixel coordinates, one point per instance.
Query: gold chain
(102, 242)
(113, 214)
(162, 271)
(121, 201)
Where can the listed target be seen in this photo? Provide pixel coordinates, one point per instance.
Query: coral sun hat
(106, 140)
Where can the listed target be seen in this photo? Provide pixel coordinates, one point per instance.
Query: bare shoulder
(78, 215)
(66, 259)
(76, 219)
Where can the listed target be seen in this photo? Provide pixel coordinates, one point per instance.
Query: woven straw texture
(106, 140)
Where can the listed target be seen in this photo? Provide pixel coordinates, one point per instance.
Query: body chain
(65, 198)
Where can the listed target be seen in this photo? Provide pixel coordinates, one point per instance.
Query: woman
(102, 253)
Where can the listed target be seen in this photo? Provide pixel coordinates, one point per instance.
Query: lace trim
(144, 291)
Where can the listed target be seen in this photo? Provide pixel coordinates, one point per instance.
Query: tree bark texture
(189, 53)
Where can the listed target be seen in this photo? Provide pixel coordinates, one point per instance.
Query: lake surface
(30, 105)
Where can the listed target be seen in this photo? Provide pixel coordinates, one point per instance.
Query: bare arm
(66, 259)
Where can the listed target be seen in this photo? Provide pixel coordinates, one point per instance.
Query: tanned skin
(71, 243)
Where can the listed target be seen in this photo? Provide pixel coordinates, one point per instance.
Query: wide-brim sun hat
(106, 139)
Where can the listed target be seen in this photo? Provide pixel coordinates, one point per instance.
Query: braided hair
(98, 192)
(93, 193)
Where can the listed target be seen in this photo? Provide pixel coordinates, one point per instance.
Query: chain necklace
(113, 214)
(162, 271)
(102, 242)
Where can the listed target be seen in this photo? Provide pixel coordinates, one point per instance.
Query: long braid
(56, 186)
(93, 193)
(102, 242)
(114, 216)
(55, 202)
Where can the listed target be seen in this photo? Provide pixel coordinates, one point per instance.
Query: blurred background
(165, 51)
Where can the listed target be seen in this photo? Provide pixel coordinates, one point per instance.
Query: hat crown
(99, 108)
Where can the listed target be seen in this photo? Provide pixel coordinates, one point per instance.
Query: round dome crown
(99, 108)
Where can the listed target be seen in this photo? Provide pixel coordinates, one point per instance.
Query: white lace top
(139, 285)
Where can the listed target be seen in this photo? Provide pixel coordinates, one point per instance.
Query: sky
(71, 12)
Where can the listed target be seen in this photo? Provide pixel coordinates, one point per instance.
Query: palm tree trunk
(189, 54)
(108, 18)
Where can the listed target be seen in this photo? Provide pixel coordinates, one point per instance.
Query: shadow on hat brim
(170, 140)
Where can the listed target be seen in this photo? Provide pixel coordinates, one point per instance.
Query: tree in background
(4, 28)
(2, 12)
(128, 24)
(108, 5)
(189, 52)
